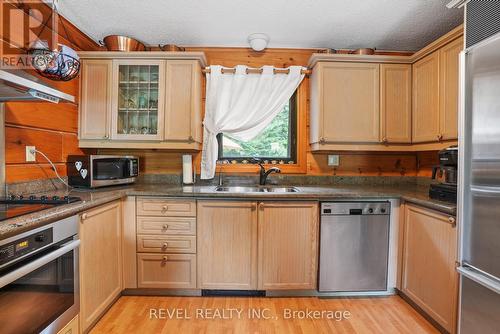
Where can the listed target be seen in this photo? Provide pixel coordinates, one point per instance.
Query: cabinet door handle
(164, 208)
(190, 139)
(84, 216)
(253, 207)
(261, 205)
(165, 227)
(384, 140)
(105, 137)
(165, 245)
(322, 140)
(453, 221)
(439, 137)
(164, 259)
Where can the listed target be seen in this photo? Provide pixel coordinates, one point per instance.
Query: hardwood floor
(133, 314)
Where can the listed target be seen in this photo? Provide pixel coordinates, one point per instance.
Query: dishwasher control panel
(355, 208)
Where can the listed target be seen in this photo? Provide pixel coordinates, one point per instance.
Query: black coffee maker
(448, 169)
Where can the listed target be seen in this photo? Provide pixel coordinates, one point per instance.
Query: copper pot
(327, 51)
(122, 43)
(171, 47)
(364, 51)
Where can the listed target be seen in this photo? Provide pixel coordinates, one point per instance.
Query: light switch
(333, 160)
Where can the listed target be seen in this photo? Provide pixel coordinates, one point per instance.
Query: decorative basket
(54, 65)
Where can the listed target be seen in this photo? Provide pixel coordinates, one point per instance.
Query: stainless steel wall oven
(39, 285)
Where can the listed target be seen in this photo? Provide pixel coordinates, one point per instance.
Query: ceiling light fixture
(258, 42)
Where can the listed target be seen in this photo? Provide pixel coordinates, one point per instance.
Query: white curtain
(242, 105)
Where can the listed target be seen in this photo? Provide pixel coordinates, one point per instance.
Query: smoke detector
(258, 42)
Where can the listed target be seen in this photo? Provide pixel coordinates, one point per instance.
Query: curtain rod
(255, 70)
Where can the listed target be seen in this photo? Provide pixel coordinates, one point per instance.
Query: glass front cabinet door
(137, 110)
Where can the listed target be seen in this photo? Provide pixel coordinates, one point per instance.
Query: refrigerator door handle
(480, 278)
(485, 190)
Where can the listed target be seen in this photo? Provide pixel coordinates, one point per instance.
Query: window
(276, 142)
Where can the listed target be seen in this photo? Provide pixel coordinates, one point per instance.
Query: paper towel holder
(188, 175)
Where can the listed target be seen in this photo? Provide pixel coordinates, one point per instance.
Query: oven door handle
(32, 266)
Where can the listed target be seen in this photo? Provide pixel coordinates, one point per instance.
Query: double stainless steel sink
(252, 189)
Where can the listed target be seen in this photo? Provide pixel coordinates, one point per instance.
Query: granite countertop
(92, 198)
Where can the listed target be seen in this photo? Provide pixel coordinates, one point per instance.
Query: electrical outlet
(333, 160)
(30, 154)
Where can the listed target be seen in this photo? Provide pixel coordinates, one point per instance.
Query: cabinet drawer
(166, 244)
(166, 225)
(71, 327)
(176, 271)
(165, 207)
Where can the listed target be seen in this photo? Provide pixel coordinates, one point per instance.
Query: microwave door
(110, 169)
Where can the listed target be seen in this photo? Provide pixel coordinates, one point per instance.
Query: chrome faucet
(263, 173)
(221, 164)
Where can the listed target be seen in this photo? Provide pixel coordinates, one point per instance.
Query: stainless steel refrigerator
(479, 188)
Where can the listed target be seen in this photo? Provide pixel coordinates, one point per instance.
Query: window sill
(252, 168)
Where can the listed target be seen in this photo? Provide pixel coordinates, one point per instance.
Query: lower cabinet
(175, 271)
(100, 262)
(429, 276)
(288, 245)
(227, 244)
(244, 245)
(71, 327)
(166, 243)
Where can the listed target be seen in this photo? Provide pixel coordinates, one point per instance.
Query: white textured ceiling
(384, 24)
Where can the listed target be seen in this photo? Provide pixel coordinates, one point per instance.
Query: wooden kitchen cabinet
(288, 245)
(429, 276)
(166, 271)
(395, 103)
(435, 94)
(426, 99)
(100, 262)
(157, 206)
(166, 243)
(141, 101)
(448, 88)
(227, 244)
(71, 328)
(345, 103)
(183, 101)
(95, 99)
(138, 99)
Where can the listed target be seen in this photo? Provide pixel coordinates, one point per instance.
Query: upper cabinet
(141, 100)
(435, 94)
(183, 87)
(448, 88)
(346, 103)
(387, 102)
(138, 99)
(426, 99)
(95, 99)
(395, 103)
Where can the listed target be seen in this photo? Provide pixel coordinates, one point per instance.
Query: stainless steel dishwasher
(354, 246)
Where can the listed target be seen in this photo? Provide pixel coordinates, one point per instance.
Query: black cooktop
(14, 206)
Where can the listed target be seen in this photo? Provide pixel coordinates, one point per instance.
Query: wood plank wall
(351, 163)
(52, 128)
